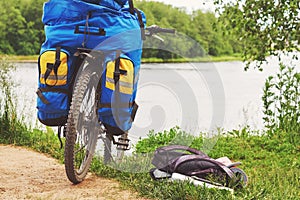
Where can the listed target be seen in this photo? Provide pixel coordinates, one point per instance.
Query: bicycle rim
(82, 127)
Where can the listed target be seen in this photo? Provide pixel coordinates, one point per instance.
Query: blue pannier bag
(109, 26)
(54, 82)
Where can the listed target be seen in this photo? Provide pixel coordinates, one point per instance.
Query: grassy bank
(271, 161)
(272, 164)
(199, 59)
(34, 58)
(14, 58)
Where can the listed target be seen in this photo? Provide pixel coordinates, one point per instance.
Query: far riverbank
(34, 58)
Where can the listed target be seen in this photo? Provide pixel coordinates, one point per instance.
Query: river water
(194, 96)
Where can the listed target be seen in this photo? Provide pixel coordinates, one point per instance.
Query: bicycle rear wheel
(82, 126)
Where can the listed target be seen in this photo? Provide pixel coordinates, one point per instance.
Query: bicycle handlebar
(156, 29)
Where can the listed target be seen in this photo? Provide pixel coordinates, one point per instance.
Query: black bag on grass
(194, 163)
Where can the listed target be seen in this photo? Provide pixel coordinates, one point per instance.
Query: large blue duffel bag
(101, 25)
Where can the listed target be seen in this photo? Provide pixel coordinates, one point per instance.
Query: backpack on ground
(114, 27)
(174, 160)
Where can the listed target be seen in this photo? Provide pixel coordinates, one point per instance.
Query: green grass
(272, 164)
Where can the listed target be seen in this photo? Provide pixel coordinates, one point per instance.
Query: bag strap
(117, 72)
(53, 67)
(142, 26)
(181, 147)
(40, 91)
(116, 94)
(51, 89)
(134, 10)
(42, 97)
(131, 7)
(120, 2)
(122, 105)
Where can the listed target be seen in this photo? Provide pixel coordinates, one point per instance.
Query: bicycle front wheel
(82, 126)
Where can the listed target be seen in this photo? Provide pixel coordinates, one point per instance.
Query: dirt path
(25, 174)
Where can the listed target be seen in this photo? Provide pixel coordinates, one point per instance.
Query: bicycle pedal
(123, 147)
(123, 144)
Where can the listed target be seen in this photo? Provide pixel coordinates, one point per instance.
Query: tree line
(200, 33)
(265, 27)
(21, 29)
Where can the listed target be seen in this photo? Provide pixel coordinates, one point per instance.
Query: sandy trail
(25, 174)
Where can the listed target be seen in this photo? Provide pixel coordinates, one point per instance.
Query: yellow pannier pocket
(126, 80)
(47, 59)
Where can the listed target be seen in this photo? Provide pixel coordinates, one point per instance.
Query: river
(194, 96)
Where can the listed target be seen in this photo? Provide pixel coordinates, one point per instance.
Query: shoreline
(34, 59)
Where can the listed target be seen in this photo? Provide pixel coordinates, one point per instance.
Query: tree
(21, 29)
(5, 46)
(265, 27)
(199, 34)
(268, 27)
(32, 10)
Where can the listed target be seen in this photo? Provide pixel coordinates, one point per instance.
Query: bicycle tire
(81, 129)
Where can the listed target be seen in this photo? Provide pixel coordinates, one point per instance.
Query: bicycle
(83, 129)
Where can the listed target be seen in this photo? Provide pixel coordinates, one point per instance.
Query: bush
(282, 101)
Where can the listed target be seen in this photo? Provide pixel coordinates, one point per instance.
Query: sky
(190, 5)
